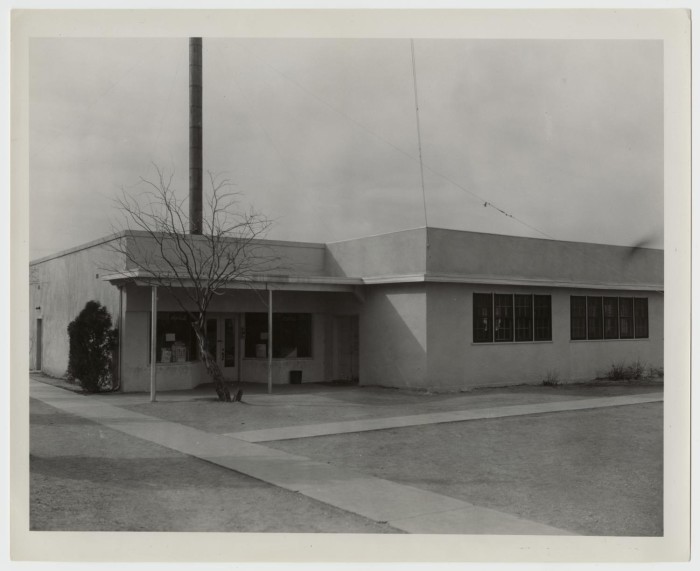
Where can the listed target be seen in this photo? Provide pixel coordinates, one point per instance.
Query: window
(641, 317)
(578, 317)
(626, 318)
(543, 317)
(523, 317)
(503, 317)
(291, 335)
(176, 342)
(508, 317)
(482, 318)
(610, 318)
(597, 317)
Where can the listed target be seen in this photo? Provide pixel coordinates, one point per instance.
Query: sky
(543, 138)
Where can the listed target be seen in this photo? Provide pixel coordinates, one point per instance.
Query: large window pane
(578, 317)
(483, 330)
(641, 317)
(503, 317)
(256, 335)
(291, 335)
(523, 317)
(595, 317)
(543, 317)
(626, 318)
(610, 318)
(175, 339)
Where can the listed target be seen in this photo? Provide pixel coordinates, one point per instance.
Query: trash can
(295, 377)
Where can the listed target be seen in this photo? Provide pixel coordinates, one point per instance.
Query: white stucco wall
(455, 361)
(60, 286)
(393, 336)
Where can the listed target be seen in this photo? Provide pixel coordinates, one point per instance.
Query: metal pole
(195, 135)
(269, 341)
(154, 324)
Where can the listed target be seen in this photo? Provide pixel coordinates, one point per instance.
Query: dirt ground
(593, 472)
(84, 477)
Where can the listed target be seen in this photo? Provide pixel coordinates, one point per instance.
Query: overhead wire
(486, 203)
(479, 198)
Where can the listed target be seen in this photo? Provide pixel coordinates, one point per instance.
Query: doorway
(39, 341)
(346, 347)
(222, 341)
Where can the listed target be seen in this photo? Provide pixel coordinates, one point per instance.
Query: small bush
(623, 372)
(656, 372)
(551, 379)
(91, 343)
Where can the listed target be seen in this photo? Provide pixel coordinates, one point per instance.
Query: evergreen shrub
(91, 346)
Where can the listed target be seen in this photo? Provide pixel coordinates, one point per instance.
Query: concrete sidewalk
(329, 428)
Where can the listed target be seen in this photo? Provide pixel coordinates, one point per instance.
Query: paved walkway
(403, 507)
(326, 429)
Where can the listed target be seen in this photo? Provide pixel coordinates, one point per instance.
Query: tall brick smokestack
(195, 135)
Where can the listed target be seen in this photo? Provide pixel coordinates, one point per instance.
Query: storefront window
(291, 335)
(176, 342)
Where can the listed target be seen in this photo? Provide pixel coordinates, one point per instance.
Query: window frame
(629, 314)
(514, 328)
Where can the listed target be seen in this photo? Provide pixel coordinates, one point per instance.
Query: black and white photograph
(364, 282)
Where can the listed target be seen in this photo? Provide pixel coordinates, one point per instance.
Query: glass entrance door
(222, 340)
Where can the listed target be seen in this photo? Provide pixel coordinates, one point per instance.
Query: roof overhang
(259, 282)
(326, 283)
(508, 281)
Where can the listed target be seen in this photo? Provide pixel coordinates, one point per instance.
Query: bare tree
(159, 250)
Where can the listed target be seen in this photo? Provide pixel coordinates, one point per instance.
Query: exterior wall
(494, 258)
(136, 371)
(411, 334)
(399, 253)
(293, 258)
(456, 362)
(393, 336)
(60, 286)
(171, 376)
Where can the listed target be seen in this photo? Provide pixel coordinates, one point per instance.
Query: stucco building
(423, 308)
